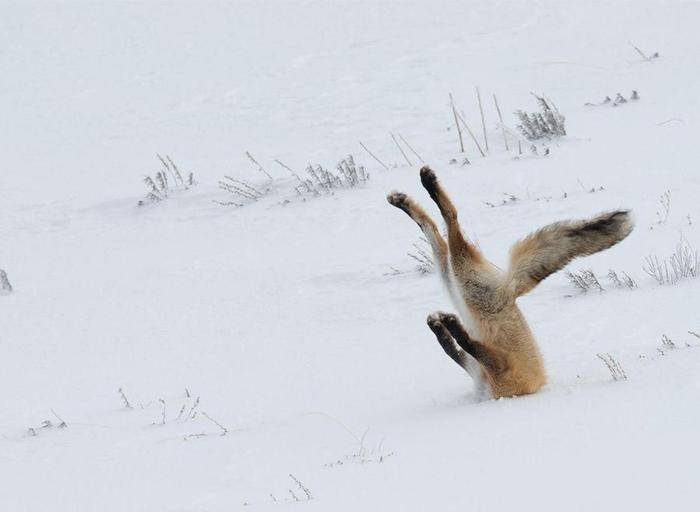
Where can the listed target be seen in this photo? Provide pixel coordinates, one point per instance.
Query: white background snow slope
(281, 317)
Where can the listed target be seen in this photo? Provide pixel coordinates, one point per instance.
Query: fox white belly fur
(472, 367)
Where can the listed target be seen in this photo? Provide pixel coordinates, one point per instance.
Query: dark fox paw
(449, 319)
(428, 179)
(433, 320)
(398, 199)
(454, 326)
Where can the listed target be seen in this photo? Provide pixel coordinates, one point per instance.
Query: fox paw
(428, 178)
(448, 319)
(451, 322)
(434, 320)
(398, 199)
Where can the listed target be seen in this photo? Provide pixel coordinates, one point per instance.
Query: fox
(493, 342)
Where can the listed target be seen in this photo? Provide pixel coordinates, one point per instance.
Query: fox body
(496, 347)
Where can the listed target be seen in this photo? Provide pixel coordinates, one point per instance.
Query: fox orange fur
(500, 352)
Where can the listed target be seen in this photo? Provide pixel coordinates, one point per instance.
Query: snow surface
(281, 317)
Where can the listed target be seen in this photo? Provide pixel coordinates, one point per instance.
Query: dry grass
(683, 263)
(546, 124)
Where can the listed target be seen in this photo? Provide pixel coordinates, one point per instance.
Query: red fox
(499, 351)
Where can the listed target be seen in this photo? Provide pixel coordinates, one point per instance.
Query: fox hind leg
(475, 280)
(447, 342)
(427, 226)
(492, 358)
(458, 245)
(457, 353)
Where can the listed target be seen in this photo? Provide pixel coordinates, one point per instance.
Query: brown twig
(260, 167)
(500, 118)
(640, 52)
(483, 120)
(401, 149)
(459, 130)
(127, 405)
(373, 156)
(285, 166)
(62, 423)
(471, 134)
(224, 430)
(409, 147)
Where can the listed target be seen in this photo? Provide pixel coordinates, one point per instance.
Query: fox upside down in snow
(502, 356)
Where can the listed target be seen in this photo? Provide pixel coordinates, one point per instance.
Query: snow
(283, 318)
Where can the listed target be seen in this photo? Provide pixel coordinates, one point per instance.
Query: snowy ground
(282, 318)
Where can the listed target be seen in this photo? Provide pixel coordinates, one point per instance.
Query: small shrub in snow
(644, 56)
(591, 190)
(362, 455)
(666, 341)
(423, 258)
(47, 424)
(585, 280)
(294, 497)
(619, 100)
(244, 191)
(621, 281)
(546, 124)
(684, 263)
(666, 344)
(164, 181)
(613, 366)
(189, 414)
(163, 410)
(509, 199)
(61, 423)
(5, 286)
(302, 487)
(125, 400)
(665, 202)
(320, 181)
(465, 161)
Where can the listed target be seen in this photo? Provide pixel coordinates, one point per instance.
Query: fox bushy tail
(552, 247)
